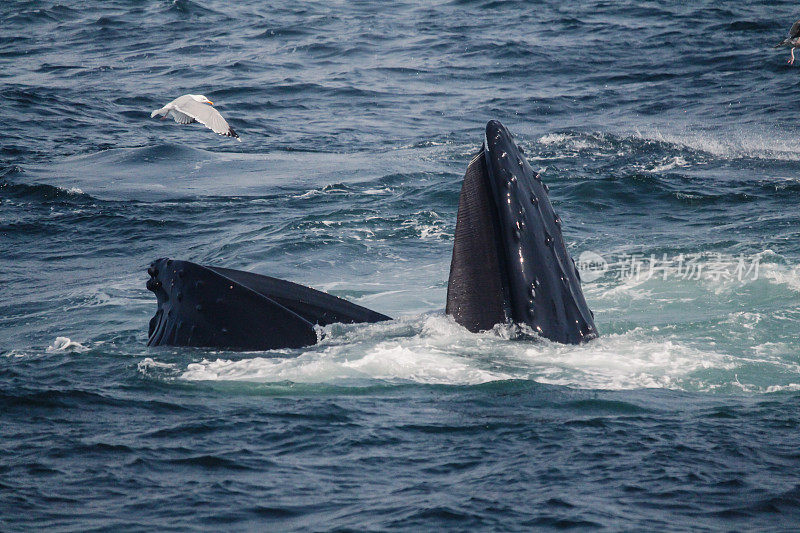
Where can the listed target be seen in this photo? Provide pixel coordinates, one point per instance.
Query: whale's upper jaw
(510, 262)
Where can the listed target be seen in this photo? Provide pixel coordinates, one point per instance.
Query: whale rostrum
(510, 263)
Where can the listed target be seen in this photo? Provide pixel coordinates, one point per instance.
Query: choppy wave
(358, 120)
(65, 344)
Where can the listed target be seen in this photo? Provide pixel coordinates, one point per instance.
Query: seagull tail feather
(784, 42)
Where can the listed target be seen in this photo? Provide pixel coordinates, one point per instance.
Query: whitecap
(63, 344)
(148, 362)
(433, 349)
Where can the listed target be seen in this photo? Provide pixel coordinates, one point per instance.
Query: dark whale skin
(222, 308)
(524, 275)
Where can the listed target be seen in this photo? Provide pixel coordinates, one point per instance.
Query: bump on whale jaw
(510, 263)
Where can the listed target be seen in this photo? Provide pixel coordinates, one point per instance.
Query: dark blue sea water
(663, 128)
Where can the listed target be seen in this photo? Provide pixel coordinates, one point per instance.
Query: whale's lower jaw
(510, 263)
(477, 288)
(230, 309)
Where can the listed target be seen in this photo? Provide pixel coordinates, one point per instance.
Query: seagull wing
(795, 31)
(181, 118)
(204, 114)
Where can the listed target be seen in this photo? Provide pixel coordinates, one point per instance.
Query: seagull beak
(210, 102)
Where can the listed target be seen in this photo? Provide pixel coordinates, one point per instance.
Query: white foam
(378, 191)
(427, 224)
(147, 363)
(567, 141)
(554, 138)
(355, 354)
(732, 144)
(791, 387)
(432, 349)
(788, 276)
(669, 164)
(623, 361)
(331, 188)
(63, 344)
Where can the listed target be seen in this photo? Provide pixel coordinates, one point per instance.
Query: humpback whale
(509, 265)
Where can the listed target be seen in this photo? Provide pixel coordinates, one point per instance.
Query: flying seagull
(792, 40)
(192, 108)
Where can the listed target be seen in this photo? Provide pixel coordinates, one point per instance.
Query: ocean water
(667, 132)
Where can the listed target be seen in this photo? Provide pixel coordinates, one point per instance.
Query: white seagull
(192, 108)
